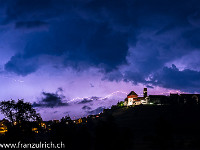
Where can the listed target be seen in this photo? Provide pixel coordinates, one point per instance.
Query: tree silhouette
(120, 104)
(19, 112)
(8, 109)
(66, 120)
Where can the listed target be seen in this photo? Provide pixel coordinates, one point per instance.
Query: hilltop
(140, 127)
(155, 126)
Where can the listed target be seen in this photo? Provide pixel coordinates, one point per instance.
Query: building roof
(132, 93)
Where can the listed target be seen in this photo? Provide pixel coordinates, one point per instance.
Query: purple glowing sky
(54, 51)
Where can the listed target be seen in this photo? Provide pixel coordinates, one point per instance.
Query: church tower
(145, 92)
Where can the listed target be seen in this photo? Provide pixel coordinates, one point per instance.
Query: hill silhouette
(159, 127)
(142, 127)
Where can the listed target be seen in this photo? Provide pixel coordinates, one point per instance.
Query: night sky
(53, 51)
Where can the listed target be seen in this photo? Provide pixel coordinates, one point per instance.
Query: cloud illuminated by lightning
(103, 98)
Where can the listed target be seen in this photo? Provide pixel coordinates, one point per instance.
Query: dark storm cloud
(138, 36)
(21, 65)
(27, 10)
(168, 30)
(86, 108)
(86, 100)
(100, 49)
(51, 100)
(74, 34)
(30, 24)
(172, 77)
(96, 111)
(148, 86)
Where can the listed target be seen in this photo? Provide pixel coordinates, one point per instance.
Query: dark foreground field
(145, 127)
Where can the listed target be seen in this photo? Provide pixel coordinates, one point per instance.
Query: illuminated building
(43, 125)
(133, 99)
(3, 127)
(35, 130)
(79, 121)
